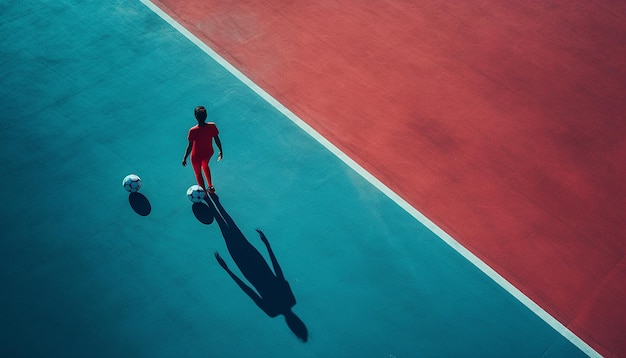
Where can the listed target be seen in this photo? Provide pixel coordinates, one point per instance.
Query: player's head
(297, 326)
(200, 113)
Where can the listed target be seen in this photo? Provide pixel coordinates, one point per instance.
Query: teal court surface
(92, 92)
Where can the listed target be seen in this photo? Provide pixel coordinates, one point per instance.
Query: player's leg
(207, 173)
(197, 170)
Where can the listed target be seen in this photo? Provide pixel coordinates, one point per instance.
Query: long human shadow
(273, 294)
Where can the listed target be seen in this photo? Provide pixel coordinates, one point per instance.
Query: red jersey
(202, 138)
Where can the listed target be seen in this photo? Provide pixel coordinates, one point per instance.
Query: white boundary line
(558, 326)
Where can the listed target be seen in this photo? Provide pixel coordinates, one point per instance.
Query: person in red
(201, 148)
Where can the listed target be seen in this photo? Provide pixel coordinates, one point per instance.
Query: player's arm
(218, 142)
(187, 151)
(277, 270)
(249, 291)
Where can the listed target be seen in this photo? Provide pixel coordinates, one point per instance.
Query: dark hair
(200, 113)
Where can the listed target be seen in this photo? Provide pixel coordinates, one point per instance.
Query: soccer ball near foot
(195, 193)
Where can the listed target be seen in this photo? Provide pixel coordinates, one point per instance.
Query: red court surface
(501, 121)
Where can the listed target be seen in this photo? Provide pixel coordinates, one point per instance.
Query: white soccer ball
(195, 193)
(132, 183)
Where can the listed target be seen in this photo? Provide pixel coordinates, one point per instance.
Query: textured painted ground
(92, 91)
(503, 122)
